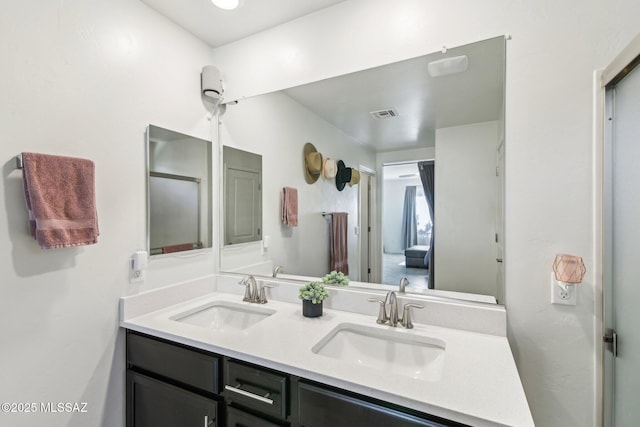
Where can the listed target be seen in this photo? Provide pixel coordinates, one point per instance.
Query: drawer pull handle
(248, 394)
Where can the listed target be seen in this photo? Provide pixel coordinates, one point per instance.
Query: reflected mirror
(178, 189)
(444, 109)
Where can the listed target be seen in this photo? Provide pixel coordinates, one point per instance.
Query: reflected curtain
(409, 220)
(427, 174)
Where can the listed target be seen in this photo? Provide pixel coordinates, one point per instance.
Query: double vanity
(199, 355)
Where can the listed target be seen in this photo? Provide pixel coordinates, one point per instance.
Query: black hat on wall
(343, 176)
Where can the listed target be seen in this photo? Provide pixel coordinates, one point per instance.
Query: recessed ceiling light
(447, 66)
(227, 4)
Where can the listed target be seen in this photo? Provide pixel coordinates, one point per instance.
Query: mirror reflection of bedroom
(406, 223)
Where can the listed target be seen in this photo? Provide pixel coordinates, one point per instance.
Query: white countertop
(479, 384)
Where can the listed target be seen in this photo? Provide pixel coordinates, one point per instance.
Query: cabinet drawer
(257, 388)
(238, 418)
(185, 365)
(320, 407)
(153, 403)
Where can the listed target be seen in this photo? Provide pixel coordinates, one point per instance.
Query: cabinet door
(321, 407)
(153, 403)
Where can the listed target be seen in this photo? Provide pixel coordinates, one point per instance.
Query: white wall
(465, 208)
(550, 62)
(277, 127)
(84, 78)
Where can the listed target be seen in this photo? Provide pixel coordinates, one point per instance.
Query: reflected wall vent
(389, 113)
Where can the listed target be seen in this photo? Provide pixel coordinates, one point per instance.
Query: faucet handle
(406, 315)
(262, 299)
(247, 288)
(382, 314)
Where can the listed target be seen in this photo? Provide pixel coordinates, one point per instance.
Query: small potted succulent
(335, 278)
(312, 294)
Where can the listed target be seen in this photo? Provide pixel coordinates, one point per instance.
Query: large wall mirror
(178, 189)
(444, 109)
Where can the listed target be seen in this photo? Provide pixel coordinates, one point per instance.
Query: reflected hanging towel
(289, 200)
(177, 248)
(60, 197)
(338, 258)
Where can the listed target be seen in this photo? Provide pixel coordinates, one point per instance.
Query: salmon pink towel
(289, 206)
(60, 196)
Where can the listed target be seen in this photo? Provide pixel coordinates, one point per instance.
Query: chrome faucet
(393, 318)
(403, 284)
(250, 291)
(253, 293)
(278, 269)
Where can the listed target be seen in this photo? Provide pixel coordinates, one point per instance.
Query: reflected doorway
(406, 226)
(367, 230)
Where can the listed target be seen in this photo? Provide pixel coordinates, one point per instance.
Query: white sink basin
(224, 316)
(394, 351)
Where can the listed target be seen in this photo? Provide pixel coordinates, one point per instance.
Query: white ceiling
(217, 27)
(423, 103)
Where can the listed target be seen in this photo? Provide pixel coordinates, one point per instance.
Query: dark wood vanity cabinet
(173, 385)
(154, 403)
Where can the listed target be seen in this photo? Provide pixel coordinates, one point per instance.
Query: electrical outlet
(137, 267)
(136, 276)
(562, 296)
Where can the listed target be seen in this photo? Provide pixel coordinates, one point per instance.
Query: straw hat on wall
(355, 177)
(312, 163)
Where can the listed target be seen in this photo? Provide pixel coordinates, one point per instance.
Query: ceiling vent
(384, 114)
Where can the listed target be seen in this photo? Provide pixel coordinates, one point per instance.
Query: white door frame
(372, 213)
(601, 79)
